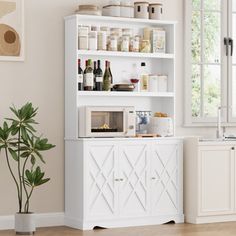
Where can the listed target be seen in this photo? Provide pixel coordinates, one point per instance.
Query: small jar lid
(88, 7)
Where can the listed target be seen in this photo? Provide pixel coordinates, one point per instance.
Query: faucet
(219, 133)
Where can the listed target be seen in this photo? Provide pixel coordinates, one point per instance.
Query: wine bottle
(99, 77)
(107, 78)
(111, 77)
(94, 75)
(80, 77)
(88, 76)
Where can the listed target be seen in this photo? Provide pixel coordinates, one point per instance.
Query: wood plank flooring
(219, 229)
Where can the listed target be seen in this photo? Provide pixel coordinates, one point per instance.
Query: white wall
(40, 79)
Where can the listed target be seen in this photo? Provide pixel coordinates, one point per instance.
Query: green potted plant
(22, 149)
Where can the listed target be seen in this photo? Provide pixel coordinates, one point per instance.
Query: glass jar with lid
(113, 43)
(102, 40)
(135, 47)
(93, 40)
(125, 43)
(145, 46)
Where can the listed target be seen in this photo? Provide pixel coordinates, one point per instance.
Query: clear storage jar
(102, 41)
(93, 40)
(145, 46)
(135, 44)
(113, 43)
(125, 43)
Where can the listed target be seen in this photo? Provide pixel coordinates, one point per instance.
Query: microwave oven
(106, 121)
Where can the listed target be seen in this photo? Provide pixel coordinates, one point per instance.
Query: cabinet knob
(121, 180)
(232, 148)
(117, 180)
(153, 178)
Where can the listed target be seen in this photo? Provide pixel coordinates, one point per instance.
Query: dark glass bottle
(107, 78)
(99, 77)
(111, 77)
(80, 81)
(94, 75)
(88, 76)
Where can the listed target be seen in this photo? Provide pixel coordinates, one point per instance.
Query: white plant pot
(24, 223)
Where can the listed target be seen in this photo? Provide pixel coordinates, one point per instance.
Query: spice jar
(125, 43)
(93, 40)
(145, 46)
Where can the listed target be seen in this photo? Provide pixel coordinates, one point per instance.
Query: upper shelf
(121, 20)
(125, 94)
(126, 54)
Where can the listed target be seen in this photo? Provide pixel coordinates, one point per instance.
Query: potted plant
(22, 150)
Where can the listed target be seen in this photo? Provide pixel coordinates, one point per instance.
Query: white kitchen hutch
(117, 182)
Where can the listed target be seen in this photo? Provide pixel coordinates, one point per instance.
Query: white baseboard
(42, 220)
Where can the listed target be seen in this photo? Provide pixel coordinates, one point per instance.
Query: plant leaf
(14, 154)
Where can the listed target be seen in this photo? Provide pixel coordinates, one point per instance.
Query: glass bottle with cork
(88, 76)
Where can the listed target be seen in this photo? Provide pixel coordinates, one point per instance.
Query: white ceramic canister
(162, 84)
(111, 10)
(153, 81)
(141, 10)
(155, 11)
(127, 11)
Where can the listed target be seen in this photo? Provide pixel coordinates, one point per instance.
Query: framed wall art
(11, 30)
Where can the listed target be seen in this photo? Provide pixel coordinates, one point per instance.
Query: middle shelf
(125, 54)
(125, 94)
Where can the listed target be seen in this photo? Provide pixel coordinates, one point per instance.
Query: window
(210, 73)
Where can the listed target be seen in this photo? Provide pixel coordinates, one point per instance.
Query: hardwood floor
(219, 229)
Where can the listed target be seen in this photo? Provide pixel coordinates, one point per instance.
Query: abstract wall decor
(11, 30)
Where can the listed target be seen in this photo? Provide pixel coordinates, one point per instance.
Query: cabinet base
(118, 223)
(209, 219)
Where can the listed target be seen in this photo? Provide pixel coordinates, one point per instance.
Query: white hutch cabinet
(117, 182)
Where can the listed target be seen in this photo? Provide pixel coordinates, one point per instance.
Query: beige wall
(40, 79)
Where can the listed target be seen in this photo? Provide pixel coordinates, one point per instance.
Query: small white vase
(24, 223)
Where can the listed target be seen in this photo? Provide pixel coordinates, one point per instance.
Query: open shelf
(125, 54)
(124, 94)
(121, 20)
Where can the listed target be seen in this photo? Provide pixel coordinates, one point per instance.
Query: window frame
(226, 67)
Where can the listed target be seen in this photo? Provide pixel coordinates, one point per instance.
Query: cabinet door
(215, 180)
(134, 172)
(102, 188)
(166, 185)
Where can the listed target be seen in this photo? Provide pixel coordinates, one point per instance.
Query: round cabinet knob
(117, 180)
(153, 178)
(121, 180)
(232, 148)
